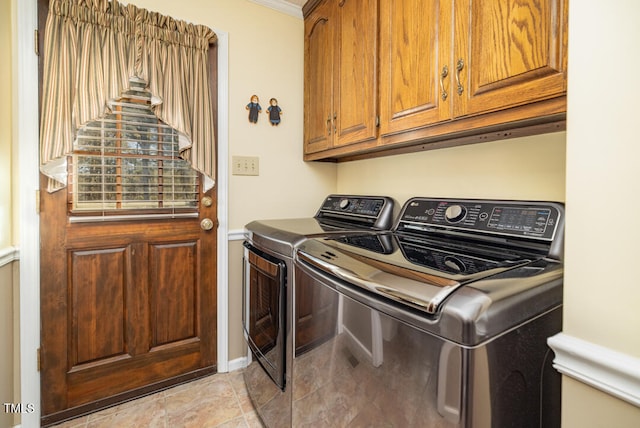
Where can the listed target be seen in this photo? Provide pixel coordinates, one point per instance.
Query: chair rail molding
(8, 255)
(612, 372)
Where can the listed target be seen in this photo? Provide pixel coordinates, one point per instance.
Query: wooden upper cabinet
(445, 72)
(415, 57)
(340, 74)
(318, 79)
(512, 52)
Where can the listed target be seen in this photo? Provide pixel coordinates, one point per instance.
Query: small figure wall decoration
(254, 108)
(274, 112)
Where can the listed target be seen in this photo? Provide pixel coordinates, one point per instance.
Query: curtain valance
(93, 47)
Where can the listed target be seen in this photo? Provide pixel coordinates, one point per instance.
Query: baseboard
(237, 364)
(612, 372)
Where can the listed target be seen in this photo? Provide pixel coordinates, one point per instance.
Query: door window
(128, 163)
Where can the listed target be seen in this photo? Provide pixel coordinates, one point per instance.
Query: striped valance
(91, 50)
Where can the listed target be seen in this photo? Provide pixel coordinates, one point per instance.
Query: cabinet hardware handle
(329, 124)
(335, 117)
(443, 75)
(459, 67)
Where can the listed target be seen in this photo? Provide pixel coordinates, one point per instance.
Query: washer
(444, 324)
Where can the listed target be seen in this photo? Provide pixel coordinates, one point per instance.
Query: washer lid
(420, 273)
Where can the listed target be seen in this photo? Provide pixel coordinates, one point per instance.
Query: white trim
(238, 364)
(8, 255)
(223, 202)
(610, 371)
(236, 235)
(281, 6)
(25, 143)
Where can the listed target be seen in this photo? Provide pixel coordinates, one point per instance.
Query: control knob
(344, 204)
(455, 213)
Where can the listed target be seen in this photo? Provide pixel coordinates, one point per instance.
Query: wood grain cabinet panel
(447, 72)
(513, 53)
(340, 74)
(415, 69)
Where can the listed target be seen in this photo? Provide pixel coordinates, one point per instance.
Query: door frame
(26, 149)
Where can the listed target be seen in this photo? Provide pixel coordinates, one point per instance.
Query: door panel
(515, 52)
(356, 87)
(173, 268)
(318, 101)
(415, 47)
(97, 305)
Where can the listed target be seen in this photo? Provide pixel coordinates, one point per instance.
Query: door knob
(206, 224)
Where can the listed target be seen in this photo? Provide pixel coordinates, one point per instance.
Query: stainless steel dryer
(443, 325)
(268, 278)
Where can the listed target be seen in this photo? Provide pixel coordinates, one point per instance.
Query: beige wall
(8, 332)
(5, 125)
(602, 293)
(6, 339)
(266, 57)
(523, 168)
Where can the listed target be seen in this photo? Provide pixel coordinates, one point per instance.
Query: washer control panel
(373, 211)
(537, 220)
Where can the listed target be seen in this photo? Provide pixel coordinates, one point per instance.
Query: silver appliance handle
(428, 306)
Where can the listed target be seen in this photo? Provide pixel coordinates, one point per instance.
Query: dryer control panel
(372, 211)
(535, 220)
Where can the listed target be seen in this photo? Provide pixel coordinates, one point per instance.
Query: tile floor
(219, 400)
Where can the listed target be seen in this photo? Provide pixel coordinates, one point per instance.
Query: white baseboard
(237, 364)
(609, 371)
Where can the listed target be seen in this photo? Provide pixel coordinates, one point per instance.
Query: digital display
(528, 220)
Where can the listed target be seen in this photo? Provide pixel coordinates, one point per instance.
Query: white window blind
(127, 165)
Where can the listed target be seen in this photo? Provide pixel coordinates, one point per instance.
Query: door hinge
(39, 363)
(36, 38)
(38, 201)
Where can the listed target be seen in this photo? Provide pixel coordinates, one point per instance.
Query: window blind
(127, 165)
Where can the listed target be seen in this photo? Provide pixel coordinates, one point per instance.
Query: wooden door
(415, 70)
(128, 303)
(319, 72)
(126, 306)
(356, 88)
(513, 52)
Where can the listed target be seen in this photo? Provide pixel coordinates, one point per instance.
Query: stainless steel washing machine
(441, 322)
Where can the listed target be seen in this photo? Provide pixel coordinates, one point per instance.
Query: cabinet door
(415, 48)
(513, 52)
(318, 92)
(356, 88)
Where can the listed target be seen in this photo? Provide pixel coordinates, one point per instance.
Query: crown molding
(281, 6)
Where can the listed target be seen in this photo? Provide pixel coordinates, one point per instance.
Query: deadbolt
(207, 201)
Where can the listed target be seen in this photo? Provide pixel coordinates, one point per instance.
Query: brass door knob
(206, 224)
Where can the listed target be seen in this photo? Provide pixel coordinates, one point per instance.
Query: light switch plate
(245, 165)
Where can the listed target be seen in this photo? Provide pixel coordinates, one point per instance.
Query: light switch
(245, 165)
